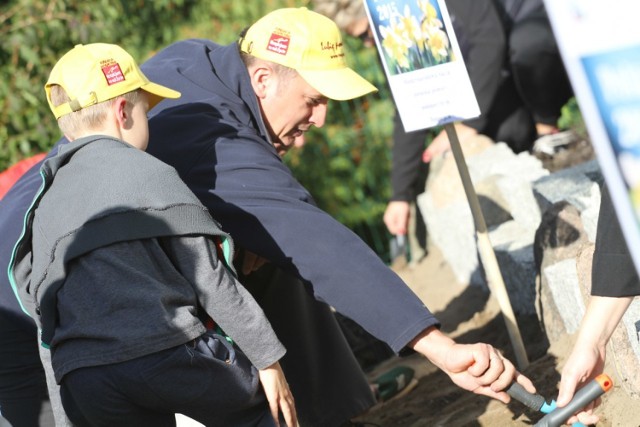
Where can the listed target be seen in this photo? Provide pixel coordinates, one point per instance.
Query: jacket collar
(228, 67)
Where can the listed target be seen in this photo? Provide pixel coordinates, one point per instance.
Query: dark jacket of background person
(516, 73)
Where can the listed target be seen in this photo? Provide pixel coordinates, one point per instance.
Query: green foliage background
(34, 34)
(345, 164)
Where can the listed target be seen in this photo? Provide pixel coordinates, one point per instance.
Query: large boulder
(570, 202)
(502, 181)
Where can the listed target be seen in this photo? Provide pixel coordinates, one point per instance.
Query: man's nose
(319, 114)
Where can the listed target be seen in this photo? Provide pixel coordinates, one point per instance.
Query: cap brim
(158, 93)
(341, 84)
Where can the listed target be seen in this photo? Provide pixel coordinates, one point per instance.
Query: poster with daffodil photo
(422, 61)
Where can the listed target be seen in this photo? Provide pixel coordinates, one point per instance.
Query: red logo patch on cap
(113, 73)
(278, 44)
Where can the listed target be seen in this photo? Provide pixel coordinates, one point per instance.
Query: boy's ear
(120, 111)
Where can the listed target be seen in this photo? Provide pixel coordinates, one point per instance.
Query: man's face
(290, 108)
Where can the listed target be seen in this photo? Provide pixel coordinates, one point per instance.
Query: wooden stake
(487, 255)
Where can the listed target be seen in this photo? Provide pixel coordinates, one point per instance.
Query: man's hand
(488, 374)
(396, 217)
(278, 394)
(478, 368)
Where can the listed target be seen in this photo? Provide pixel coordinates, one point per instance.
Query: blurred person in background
(517, 76)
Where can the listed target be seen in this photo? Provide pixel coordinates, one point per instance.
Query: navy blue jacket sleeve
(13, 207)
(257, 200)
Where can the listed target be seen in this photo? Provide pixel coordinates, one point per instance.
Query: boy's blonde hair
(88, 118)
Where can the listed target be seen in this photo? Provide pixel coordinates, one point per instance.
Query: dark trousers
(326, 381)
(537, 68)
(24, 400)
(207, 379)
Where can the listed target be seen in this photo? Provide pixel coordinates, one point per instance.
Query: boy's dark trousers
(206, 379)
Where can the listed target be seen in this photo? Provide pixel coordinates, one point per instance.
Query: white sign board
(600, 46)
(423, 63)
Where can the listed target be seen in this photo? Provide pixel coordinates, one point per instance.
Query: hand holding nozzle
(557, 416)
(594, 389)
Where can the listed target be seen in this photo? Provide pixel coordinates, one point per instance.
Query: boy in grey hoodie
(129, 278)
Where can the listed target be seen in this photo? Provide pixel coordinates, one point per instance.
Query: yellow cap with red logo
(97, 72)
(309, 43)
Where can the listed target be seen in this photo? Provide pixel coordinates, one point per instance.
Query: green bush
(34, 34)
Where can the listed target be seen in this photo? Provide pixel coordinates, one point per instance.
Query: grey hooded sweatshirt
(118, 259)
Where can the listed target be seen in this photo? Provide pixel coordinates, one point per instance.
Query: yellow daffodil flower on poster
(395, 44)
(430, 14)
(439, 45)
(415, 38)
(411, 29)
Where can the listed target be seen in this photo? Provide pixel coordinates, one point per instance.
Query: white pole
(487, 255)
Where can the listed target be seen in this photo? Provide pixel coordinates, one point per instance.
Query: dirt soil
(471, 314)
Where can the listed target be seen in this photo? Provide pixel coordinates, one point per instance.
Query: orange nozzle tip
(605, 382)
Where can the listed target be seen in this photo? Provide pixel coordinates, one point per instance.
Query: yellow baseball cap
(309, 43)
(97, 72)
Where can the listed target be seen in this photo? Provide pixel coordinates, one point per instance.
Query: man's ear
(262, 77)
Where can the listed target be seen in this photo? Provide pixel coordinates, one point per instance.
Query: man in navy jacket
(244, 106)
